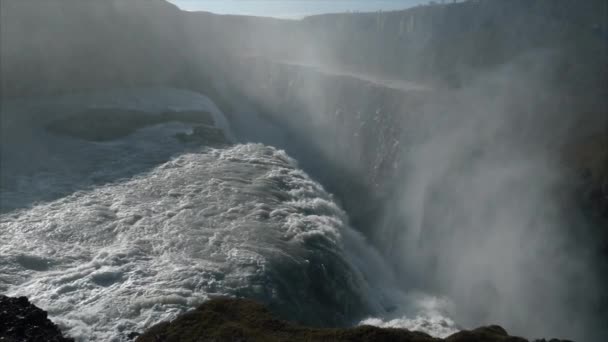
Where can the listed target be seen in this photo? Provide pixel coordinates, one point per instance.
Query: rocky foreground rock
(226, 319)
(244, 320)
(22, 321)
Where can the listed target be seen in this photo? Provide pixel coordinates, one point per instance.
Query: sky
(292, 8)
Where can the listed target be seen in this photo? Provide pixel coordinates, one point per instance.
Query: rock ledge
(22, 321)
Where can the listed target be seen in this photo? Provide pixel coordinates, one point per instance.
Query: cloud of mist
(482, 213)
(477, 204)
(481, 209)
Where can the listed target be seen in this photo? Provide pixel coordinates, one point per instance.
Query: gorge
(439, 168)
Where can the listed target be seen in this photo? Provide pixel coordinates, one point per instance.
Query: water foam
(113, 237)
(425, 313)
(123, 256)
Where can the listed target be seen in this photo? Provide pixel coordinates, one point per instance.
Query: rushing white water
(424, 313)
(121, 256)
(113, 237)
(437, 326)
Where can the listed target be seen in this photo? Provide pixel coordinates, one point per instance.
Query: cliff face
(71, 45)
(363, 129)
(59, 46)
(588, 158)
(449, 41)
(547, 55)
(438, 43)
(352, 128)
(22, 321)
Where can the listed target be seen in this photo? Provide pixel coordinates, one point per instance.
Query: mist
(465, 143)
(480, 214)
(473, 186)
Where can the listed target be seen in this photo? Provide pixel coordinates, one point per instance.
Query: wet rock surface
(22, 321)
(226, 319)
(205, 135)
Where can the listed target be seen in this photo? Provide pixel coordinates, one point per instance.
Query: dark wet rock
(589, 158)
(110, 124)
(204, 134)
(484, 334)
(226, 319)
(22, 321)
(245, 320)
(133, 335)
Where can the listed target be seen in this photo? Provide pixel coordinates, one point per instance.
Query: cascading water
(113, 236)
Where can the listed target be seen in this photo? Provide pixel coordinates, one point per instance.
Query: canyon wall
(60, 46)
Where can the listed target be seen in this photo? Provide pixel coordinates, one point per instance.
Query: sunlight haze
(292, 8)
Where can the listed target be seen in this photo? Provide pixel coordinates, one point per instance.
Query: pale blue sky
(292, 8)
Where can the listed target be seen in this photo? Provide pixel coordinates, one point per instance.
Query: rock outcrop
(589, 157)
(63, 46)
(22, 321)
(226, 319)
